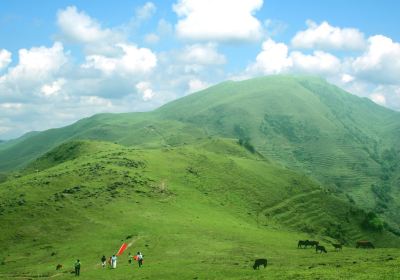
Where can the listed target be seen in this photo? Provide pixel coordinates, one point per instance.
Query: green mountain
(343, 141)
(207, 183)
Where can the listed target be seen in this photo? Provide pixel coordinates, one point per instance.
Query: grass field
(193, 214)
(206, 184)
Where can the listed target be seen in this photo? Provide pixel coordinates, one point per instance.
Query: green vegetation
(206, 184)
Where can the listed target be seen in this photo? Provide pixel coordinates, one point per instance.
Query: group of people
(112, 261)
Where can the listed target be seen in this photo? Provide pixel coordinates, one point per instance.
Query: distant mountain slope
(347, 143)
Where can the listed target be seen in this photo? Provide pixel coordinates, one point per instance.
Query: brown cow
(364, 244)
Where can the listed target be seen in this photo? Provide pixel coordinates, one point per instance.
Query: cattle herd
(318, 248)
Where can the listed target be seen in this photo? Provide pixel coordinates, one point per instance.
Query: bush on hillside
(247, 145)
(373, 222)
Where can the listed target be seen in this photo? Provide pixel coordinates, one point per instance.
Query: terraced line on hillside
(284, 203)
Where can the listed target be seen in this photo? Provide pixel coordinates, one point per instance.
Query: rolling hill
(345, 142)
(212, 180)
(203, 210)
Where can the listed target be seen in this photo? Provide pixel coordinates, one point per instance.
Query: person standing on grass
(130, 257)
(77, 266)
(139, 258)
(114, 261)
(103, 261)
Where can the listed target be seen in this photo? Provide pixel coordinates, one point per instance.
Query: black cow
(59, 266)
(337, 246)
(320, 249)
(259, 262)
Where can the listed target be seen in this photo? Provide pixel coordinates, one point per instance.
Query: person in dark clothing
(77, 267)
(103, 261)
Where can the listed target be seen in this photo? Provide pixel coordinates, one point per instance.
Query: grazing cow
(59, 266)
(337, 246)
(320, 249)
(364, 244)
(304, 243)
(259, 262)
(313, 243)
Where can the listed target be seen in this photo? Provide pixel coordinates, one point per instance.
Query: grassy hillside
(200, 211)
(347, 143)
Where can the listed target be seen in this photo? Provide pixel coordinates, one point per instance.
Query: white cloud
(79, 27)
(319, 62)
(378, 98)
(133, 61)
(346, 78)
(381, 61)
(36, 64)
(202, 54)
(222, 20)
(144, 88)
(197, 85)
(5, 58)
(146, 11)
(327, 37)
(273, 59)
(52, 89)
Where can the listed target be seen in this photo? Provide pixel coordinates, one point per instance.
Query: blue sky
(64, 60)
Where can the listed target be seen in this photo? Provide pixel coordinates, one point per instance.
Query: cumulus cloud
(38, 62)
(202, 54)
(144, 88)
(80, 27)
(134, 60)
(35, 67)
(380, 62)
(327, 37)
(273, 59)
(319, 62)
(222, 20)
(5, 58)
(53, 89)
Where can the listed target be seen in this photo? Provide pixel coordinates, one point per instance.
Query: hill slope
(345, 142)
(193, 212)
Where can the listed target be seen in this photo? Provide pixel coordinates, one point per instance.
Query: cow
(320, 249)
(364, 244)
(304, 243)
(337, 246)
(313, 243)
(59, 266)
(259, 262)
